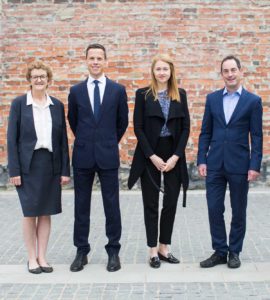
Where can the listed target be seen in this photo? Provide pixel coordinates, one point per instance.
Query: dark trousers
(83, 182)
(150, 193)
(216, 183)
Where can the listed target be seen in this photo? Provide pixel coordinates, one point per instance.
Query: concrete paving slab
(139, 273)
(136, 280)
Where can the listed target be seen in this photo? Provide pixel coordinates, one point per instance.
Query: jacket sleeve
(13, 134)
(122, 115)
(256, 136)
(206, 134)
(181, 146)
(65, 155)
(72, 112)
(138, 120)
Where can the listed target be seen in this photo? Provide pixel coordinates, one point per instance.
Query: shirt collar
(30, 101)
(101, 79)
(239, 91)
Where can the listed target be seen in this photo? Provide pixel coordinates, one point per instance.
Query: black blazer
(21, 137)
(148, 121)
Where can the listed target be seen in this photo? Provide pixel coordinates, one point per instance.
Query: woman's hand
(158, 162)
(171, 162)
(16, 180)
(65, 180)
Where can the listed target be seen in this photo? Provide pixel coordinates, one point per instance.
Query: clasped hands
(163, 166)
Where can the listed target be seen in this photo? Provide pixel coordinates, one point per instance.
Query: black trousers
(150, 194)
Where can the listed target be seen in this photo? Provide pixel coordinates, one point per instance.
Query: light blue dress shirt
(230, 101)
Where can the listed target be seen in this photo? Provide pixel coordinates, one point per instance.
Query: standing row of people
(38, 157)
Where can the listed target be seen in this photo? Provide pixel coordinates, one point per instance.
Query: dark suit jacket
(148, 121)
(21, 137)
(228, 145)
(97, 142)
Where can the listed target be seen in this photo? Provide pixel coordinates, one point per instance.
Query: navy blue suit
(229, 151)
(96, 151)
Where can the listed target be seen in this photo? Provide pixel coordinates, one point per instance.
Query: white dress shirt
(91, 86)
(42, 121)
(230, 101)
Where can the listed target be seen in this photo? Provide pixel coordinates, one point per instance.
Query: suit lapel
(239, 106)
(106, 98)
(54, 116)
(175, 110)
(28, 113)
(154, 108)
(220, 106)
(86, 99)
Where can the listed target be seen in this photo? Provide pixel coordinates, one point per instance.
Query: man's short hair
(229, 57)
(96, 46)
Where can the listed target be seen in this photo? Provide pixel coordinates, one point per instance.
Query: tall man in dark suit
(230, 152)
(98, 117)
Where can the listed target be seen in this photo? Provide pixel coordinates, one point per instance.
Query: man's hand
(252, 175)
(158, 162)
(202, 169)
(171, 162)
(65, 180)
(16, 180)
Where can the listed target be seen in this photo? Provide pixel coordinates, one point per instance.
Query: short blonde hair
(173, 92)
(38, 65)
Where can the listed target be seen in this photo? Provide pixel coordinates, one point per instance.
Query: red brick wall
(198, 34)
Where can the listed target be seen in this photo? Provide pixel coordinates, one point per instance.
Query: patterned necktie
(96, 99)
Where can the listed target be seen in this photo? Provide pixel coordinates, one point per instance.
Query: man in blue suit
(98, 117)
(230, 152)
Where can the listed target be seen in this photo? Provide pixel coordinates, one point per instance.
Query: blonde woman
(161, 125)
(38, 161)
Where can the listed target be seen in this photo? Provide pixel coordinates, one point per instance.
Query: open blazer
(21, 138)
(148, 121)
(237, 145)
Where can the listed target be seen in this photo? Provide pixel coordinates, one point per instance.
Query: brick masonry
(198, 34)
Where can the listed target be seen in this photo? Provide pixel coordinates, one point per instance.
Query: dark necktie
(96, 99)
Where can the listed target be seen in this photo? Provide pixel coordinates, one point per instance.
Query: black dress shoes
(170, 258)
(213, 260)
(113, 263)
(154, 262)
(78, 263)
(35, 270)
(234, 261)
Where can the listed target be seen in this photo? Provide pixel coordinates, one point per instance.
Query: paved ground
(136, 280)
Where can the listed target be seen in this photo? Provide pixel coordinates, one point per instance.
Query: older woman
(161, 125)
(38, 161)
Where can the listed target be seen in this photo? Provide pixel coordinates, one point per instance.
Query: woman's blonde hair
(173, 92)
(38, 65)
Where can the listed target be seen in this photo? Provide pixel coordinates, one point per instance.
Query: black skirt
(40, 191)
